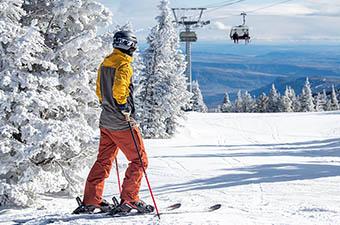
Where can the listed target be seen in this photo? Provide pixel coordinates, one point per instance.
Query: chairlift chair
(240, 32)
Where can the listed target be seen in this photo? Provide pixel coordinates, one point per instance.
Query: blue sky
(297, 21)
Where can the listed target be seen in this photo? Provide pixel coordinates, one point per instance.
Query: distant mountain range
(229, 68)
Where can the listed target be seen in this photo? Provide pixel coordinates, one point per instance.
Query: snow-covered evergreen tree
(287, 100)
(306, 98)
(321, 101)
(333, 103)
(217, 109)
(226, 107)
(238, 106)
(248, 103)
(48, 106)
(262, 103)
(324, 99)
(197, 101)
(273, 100)
(295, 100)
(163, 84)
(21, 90)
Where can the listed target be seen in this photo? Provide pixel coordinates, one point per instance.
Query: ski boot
(103, 207)
(126, 207)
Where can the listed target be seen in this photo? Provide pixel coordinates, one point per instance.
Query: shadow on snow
(324, 148)
(267, 173)
(270, 173)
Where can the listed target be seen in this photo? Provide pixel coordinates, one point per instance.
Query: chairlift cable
(217, 4)
(269, 6)
(224, 5)
(255, 10)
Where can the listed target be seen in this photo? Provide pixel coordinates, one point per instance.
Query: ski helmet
(126, 41)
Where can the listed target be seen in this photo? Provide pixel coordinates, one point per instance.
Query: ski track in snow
(279, 168)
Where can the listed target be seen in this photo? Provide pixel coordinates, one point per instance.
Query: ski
(70, 218)
(167, 209)
(209, 209)
(173, 207)
(214, 207)
(96, 215)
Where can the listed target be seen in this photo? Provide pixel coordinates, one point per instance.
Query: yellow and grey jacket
(114, 87)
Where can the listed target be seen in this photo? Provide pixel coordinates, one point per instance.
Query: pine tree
(21, 91)
(226, 107)
(163, 84)
(287, 100)
(217, 109)
(325, 99)
(238, 106)
(49, 108)
(248, 104)
(273, 100)
(316, 100)
(306, 98)
(333, 101)
(198, 104)
(295, 100)
(262, 103)
(321, 101)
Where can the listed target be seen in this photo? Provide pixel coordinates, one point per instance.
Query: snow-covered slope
(262, 168)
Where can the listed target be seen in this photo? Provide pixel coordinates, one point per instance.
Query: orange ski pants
(110, 141)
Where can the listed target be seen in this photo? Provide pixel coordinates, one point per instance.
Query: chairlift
(240, 32)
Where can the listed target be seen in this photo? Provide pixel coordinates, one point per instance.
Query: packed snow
(279, 168)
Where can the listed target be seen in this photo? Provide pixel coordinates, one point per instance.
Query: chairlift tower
(182, 18)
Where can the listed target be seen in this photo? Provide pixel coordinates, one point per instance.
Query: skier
(115, 94)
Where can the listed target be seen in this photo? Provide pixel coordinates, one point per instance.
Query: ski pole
(120, 188)
(146, 176)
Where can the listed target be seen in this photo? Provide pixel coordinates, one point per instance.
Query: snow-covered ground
(262, 168)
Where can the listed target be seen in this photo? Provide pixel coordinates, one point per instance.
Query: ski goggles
(125, 42)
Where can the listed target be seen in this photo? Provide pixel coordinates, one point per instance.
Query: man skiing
(115, 93)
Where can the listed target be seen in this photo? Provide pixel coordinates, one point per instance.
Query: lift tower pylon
(182, 18)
